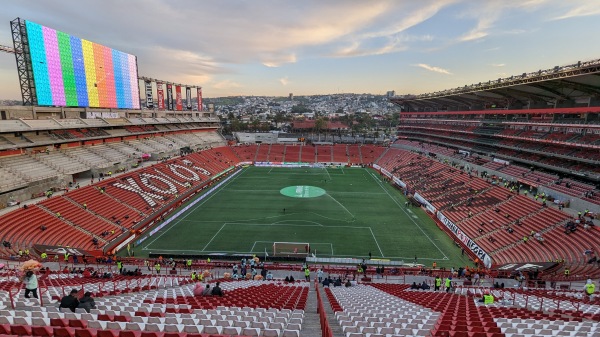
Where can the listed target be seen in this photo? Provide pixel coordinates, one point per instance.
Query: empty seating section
(160, 310)
(263, 152)
(277, 153)
(324, 153)
(108, 153)
(463, 316)
(22, 228)
(340, 153)
(354, 154)
(292, 153)
(245, 152)
(485, 212)
(79, 217)
(28, 168)
(367, 310)
(61, 162)
(10, 181)
(370, 153)
(105, 206)
(307, 154)
(526, 175)
(88, 157)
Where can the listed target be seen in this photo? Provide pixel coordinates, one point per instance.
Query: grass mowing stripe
(411, 219)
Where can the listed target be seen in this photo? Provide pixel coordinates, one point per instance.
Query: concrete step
(336, 329)
(311, 325)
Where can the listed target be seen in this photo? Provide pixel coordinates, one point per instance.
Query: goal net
(291, 248)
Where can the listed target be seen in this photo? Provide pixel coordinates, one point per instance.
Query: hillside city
(361, 114)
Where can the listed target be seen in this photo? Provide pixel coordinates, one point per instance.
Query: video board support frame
(23, 58)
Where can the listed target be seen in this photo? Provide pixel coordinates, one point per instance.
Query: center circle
(302, 191)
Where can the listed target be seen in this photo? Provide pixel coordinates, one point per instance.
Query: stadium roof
(578, 83)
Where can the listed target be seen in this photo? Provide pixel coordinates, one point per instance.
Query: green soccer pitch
(340, 212)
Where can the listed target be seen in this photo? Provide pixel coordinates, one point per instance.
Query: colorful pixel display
(69, 71)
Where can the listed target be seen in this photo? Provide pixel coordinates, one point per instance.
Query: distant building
(291, 96)
(391, 93)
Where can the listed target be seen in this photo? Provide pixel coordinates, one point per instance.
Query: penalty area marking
(311, 244)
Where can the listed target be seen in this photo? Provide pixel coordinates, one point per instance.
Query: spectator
(207, 291)
(87, 302)
(70, 301)
(216, 291)
(31, 284)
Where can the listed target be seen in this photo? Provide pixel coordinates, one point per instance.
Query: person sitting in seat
(414, 286)
(87, 302)
(70, 301)
(216, 291)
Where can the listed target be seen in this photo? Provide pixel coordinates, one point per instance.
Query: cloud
(284, 81)
(487, 13)
(584, 8)
(274, 61)
(498, 64)
(433, 68)
(226, 84)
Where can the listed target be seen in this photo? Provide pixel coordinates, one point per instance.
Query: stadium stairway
(336, 329)
(311, 326)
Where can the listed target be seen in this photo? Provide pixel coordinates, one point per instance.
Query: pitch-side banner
(160, 95)
(169, 97)
(461, 236)
(149, 97)
(178, 102)
(188, 98)
(199, 96)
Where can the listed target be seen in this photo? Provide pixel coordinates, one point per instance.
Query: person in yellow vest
(157, 267)
(189, 264)
(438, 283)
(84, 205)
(488, 298)
(307, 273)
(44, 256)
(208, 260)
(66, 257)
(448, 283)
(567, 272)
(589, 289)
(26, 252)
(193, 276)
(20, 253)
(120, 266)
(200, 277)
(58, 215)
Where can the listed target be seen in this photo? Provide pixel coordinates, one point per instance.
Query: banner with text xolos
(426, 203)
(178, 101)
(462, 237)
(160, 96)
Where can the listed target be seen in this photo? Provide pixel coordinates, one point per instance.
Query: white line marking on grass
(327, 171)
(377, 243)
(344, 207)
(196, 207)
(402, 208)
(214, 236)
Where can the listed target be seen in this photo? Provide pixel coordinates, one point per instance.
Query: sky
(276, 47)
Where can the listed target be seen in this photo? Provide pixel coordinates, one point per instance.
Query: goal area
(291, 248)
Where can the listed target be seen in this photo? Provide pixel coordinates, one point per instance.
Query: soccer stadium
(130, 215)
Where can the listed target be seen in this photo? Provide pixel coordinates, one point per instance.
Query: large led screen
(69, 71)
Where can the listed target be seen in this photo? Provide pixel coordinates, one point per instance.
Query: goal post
(291, 248)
